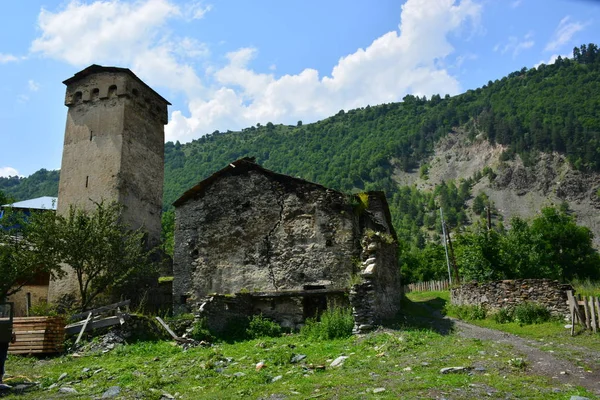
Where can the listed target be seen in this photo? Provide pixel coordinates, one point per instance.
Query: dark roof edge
(95, 68)
(250, 163)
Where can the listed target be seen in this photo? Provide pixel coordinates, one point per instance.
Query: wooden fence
(426, 286)
(585, 310)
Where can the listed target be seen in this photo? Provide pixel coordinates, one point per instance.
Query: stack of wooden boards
(38, 335)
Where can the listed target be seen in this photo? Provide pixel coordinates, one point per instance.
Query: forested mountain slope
(551, 109)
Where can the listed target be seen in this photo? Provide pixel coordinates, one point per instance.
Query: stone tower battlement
(101, 83)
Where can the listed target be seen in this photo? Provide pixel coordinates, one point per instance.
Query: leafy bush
(531, 313)
(466, 312)
(335, 323)
(504, 315)
(43, 309)
(262, 327)
(200, 331)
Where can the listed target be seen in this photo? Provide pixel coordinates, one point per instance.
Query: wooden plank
(99, 323)
(85, 324)
(587, 314)
(164, 325)
(597, 307)
(100, 310)
(592, 314)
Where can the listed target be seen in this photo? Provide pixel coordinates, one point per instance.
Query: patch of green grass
(406, 363)
(586, 287)
(335, 323)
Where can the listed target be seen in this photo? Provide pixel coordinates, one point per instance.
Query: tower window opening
(95, 93)
(87, 179)
(77, 97)
(112, 91)
(91, 135)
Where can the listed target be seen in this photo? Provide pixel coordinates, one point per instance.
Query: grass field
(401, 362)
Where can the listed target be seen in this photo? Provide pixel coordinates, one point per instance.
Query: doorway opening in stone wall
(314, 305)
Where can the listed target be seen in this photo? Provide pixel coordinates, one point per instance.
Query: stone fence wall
(509, 293)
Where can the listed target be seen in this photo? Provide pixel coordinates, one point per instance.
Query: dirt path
(540, 362)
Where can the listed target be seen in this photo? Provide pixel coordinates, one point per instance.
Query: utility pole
(445, 245)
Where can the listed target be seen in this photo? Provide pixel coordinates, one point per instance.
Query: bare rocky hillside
(516, 189)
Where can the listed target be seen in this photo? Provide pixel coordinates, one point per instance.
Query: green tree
(565, 248)
(26, 250)
(103, 253)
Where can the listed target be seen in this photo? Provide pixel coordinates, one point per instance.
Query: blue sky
(229, 64)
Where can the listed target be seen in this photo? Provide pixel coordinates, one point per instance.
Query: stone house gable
(246, 229)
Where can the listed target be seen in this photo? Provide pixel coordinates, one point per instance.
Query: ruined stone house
(249, 240)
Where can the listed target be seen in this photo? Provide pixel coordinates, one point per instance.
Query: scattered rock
(85, 370)
(407, 369)
(239, 374)
(338, 361)
(454, 370)
(275, 379)
(167, 396)
(112, 391)
(378, 390)
(62, 376)
(68, 390)
(579, 398)
(297, 358)
(260, 366)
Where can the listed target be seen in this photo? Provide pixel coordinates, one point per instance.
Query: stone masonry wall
(376, 297)
(509, 293)
(257, 232)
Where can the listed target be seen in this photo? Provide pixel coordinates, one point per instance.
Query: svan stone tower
(113, 150)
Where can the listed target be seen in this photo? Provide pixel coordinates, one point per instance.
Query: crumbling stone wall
(246, 229)
(509, 293)
(258, 232)
(376, 297)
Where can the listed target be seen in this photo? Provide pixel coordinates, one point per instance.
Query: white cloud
(515, 45)
(196, 10)
(397, 63)
(136, 34)
(33, 85)
(6, 58)
(8, 171)
(121, 33)
(564, 32)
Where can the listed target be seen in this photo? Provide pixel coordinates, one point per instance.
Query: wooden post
(83, 328)
(590, 301)
(587, 313)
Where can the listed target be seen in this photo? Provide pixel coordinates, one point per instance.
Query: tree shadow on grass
(426, 314)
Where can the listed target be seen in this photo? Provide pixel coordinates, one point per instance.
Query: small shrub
(504, 316)
(531, 313)
(466, 312)
(335, 323)
(518, 363)
(260, 327)
(43, 309)
(200, 331)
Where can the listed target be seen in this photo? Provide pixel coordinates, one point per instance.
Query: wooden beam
(164, 325)
(100, 310)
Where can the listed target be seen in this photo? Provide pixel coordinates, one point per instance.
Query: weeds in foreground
(336, 323)
(586, 287)
(260, 327)
(465, 312)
